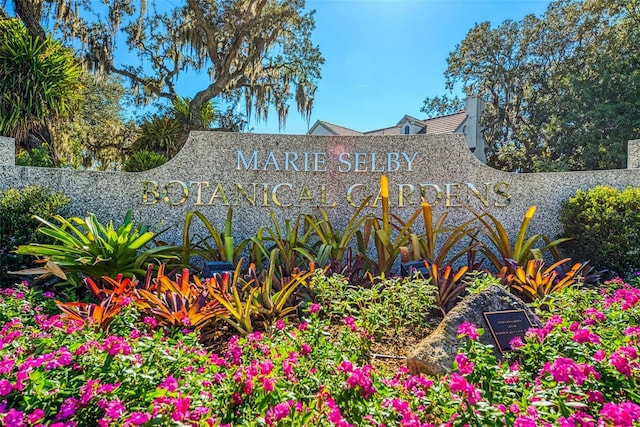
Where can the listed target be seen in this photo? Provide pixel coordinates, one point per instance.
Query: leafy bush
(86, 248)
(604, 224)
(144, 160)
(388, 305)
(39, 156)
(17, 207)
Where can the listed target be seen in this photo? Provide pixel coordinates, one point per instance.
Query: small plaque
(506, 325)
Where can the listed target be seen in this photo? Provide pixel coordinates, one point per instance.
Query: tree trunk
(30, 13)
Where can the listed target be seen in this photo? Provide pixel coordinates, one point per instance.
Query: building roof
(436, 125)
(334, 129)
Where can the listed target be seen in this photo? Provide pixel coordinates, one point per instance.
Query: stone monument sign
(258, 174)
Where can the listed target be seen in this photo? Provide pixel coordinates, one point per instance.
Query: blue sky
(384, 57)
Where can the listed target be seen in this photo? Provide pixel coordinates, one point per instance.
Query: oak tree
(258, 52)
(562, 90)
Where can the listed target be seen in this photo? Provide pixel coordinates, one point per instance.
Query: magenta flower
(280, 325)
(5, 387)
(464, 365)
(305, 349)
(137, 419)
(620, 415)
(278, 412)
(469, 330)
(35, 416)
(169, 384)
(314, 308)
(621, 364)
(566, 370)
(459, 385)
(351, 323)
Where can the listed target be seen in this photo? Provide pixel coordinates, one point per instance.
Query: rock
(435, 354)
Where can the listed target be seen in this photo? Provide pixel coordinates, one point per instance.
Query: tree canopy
(39, 84)
(562, 90)
(258, 52)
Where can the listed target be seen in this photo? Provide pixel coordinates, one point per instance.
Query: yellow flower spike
(384, 193)
(384, 186)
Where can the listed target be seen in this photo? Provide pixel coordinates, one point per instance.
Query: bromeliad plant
(215, 246)
(291, 243)
(333, 246)
(522, 249)
(87, 248)
(428, 246)
(390, 233)
(535, 281)
(261, 299)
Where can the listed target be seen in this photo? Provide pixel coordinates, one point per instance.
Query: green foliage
(431, 245)
(98, 135)
(390, 234)
(162, 135)
(522, 249)
(87, 248)
(214, 245)
(604, 224)
(39, 83)
(442, 105)
(388, 306)
(333, 244)
(292, 244)
(183, 114)
(38, 156)
(561, 90)
(144, 160)
(17, 208)
(259, 53)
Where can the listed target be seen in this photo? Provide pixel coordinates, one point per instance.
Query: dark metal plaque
(507, 325)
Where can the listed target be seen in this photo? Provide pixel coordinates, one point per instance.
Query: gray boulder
(435, 354)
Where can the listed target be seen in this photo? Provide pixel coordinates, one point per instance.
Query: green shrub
(604, 224)
(38, 156)
(18, 227)
(144, 160)
(84, 247)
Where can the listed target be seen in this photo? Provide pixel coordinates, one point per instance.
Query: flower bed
(580, 369)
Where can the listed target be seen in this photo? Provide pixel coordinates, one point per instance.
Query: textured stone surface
(435, 354)
(7, 151)
(633, 154)
(211, 158)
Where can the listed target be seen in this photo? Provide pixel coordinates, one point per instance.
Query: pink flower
(621, 363)
(351, 323)
(278, 412)
(305, 349)
(314, 308)
(169, 384)
(599, 355)
(525, 422)
(465, 389)
(469, 330)
(137, 419)
(268, 384)
(150, 321)
(464, 365)
(584, 335)
(620, 415)
(280, 325)
(181, 411)
(35, 416)
(565, 369)
(5, 387)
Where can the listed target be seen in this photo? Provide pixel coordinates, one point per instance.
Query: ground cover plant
(580, 369)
